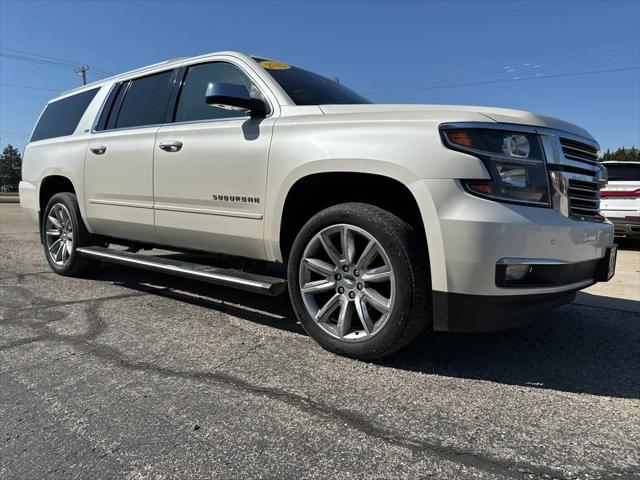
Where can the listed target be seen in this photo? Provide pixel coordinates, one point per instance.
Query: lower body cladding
(496, 265)
(475, 313)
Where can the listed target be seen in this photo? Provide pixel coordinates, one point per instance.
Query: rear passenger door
(119, 161)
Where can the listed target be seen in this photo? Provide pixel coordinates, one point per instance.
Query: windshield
(308, 88)
(622, 173)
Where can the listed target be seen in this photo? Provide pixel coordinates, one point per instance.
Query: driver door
(210, 168)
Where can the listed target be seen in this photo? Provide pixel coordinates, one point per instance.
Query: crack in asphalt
(47, 303)
(355, 420)
(20, 276)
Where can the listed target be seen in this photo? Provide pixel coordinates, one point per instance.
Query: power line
(55, 62)
(29, 87)
(514, 71)
(593, 60)
(46, 57)
(487, 82)
(50, 63)
(14, 134)
(37, 61)
(51, 60)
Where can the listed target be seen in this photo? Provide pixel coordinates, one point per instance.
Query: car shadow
(630, 244)
(275, 312)
(577, 348)
(613, 303)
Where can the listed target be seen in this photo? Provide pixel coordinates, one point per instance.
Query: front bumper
(480, 313)
(467, 237)
(464, 313)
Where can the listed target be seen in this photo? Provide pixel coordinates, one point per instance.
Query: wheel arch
(52, 184)
(313, 192)
(57, 181)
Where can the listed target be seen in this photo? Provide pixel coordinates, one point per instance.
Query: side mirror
(234, 97)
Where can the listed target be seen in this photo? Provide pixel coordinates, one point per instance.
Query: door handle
(98, 149)
(172, 146)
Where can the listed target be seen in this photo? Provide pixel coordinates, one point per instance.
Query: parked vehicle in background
(388, 219)
(621, 198)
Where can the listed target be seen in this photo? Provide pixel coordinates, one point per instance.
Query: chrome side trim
(219, 276)
(244, 68)
(117, 203)
(208, 211)
(529, 261)
(124, 129)
(172, 208)
(552, 289)
(207, 120)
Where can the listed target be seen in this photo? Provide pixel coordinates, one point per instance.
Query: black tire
(76, 265)
(411, 312)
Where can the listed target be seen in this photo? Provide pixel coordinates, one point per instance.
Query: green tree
(622, 155)
(10, 169)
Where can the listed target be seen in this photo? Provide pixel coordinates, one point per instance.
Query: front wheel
(357, 280)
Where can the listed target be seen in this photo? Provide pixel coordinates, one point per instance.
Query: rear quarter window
(61, 118)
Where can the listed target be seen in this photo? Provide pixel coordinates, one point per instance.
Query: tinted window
(192, 105)
(108, 107)
(308, 88)
(112, 115)
(61, 117)
(624, 173)
(145, 101)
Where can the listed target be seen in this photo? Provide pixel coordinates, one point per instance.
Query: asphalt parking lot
(135, 375)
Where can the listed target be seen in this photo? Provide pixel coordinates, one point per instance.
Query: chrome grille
(576, 176)
(584, 198)
(584, 194)
(580, 152)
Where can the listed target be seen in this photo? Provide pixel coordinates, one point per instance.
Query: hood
(500, 115)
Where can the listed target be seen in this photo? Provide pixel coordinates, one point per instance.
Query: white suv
(621, 199)
(389, 219)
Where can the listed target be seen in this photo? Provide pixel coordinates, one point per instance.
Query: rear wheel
(63, 231)
(357, 281)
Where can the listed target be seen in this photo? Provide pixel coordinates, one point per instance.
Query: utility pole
(83, 71)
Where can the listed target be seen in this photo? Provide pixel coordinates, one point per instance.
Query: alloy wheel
(59, 234)
(347, 282)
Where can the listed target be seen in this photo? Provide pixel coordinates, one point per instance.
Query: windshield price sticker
(273, 65)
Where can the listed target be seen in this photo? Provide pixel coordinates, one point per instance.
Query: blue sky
(529, 55)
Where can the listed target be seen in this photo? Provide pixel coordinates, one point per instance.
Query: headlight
(517, 146)
(515, 161)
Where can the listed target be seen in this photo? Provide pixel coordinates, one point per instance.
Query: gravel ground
(134, 375)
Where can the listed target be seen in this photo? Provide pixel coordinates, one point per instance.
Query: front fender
(276, 201)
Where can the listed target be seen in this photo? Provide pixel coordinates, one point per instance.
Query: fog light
(516, 272)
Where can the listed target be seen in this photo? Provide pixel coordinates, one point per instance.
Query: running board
(251, 282)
